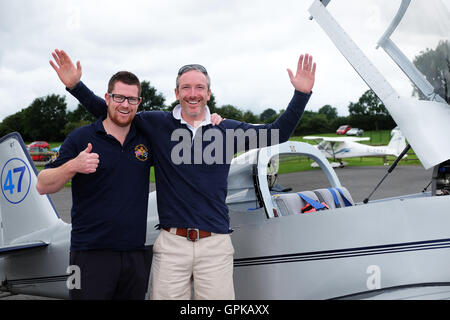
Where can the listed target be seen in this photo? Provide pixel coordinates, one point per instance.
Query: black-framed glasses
(120, 98)
(190, 67)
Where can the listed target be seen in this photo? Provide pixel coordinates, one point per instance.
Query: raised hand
(304, 78)
(66, 70)
(86, 162)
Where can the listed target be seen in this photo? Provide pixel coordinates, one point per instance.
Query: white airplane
(380, 249)
(337, 148)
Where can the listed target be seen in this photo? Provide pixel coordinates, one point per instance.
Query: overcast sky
(246, 45)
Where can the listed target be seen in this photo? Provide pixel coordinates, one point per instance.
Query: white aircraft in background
(337, 148)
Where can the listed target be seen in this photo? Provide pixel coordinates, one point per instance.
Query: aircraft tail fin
(23, 210)
(398, 142)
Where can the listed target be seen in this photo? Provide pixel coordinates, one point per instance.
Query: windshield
(422, 35)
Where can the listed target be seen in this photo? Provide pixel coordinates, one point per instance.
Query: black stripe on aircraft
(5, 250)
(16, 282)
(344, 253)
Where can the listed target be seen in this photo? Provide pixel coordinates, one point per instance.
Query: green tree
(80, 114)
(151, 99)
(212, 104)
(368, 104)
(45, 118)
(70, 126)
(358, 109)
(230, 112)
(14, 122)
(329, 111)
(313, 123)
(172, 105)
(435, 66)
(370, 113)
(250, 117)
(267, 114)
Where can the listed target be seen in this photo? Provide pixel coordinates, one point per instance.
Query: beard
(193, 114)
(115, 117)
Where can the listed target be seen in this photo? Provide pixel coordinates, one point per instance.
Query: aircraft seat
(292, 203)
(334, 198)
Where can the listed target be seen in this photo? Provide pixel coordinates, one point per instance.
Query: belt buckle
(188, 234)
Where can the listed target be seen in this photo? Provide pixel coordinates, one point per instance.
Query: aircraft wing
(313, 138)
(9, 249)
(337, 139)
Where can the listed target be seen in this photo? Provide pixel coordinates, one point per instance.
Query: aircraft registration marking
(15, 180)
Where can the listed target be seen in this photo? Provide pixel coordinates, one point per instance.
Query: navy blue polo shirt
(109, 209)
(193, 195)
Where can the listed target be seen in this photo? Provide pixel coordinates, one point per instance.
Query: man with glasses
(109, 211)
(192, 161)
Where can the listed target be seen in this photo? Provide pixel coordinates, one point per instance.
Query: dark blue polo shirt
(193, 195)
(109, 208)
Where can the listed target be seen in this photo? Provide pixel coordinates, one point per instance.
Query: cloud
(245, 45)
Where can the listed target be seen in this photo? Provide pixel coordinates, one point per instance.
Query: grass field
(295, 164)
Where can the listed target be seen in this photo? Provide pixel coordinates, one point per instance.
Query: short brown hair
(125, 77)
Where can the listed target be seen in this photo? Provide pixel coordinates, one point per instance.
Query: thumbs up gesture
(87, 161)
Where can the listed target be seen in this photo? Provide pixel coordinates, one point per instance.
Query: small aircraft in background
(337, 148)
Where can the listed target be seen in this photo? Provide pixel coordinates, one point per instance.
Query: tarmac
(360, 181)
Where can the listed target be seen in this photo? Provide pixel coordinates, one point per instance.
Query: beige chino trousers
(180, 265)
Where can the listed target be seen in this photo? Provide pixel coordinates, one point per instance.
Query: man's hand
(66, 70)
(304, 78)
(53, 179)
(86, 162)
(216, 119)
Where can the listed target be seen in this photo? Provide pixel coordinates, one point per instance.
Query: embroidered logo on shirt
(141, 152)
(53, 157)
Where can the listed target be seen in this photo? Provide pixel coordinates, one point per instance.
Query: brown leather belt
(191, 233)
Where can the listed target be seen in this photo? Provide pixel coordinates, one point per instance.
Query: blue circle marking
(15, 180)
